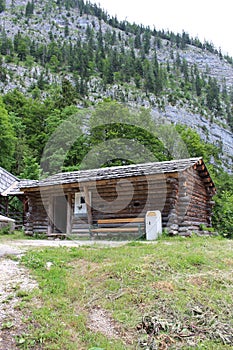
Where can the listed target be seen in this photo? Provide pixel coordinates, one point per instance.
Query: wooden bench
(118, 225)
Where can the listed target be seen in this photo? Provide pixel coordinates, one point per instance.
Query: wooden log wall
(36, 219)
(131, 198)
(195, 202)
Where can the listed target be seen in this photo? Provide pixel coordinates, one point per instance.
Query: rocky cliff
(49, 22)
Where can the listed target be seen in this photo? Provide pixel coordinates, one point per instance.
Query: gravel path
(14, 280)
(19, 244)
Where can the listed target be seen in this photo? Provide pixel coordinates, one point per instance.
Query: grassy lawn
(173, 294)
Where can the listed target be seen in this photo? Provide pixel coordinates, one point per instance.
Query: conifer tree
(7, 138)
(2, 5)
(31, 169)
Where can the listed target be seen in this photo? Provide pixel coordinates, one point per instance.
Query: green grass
(175, 294)
(15, 235)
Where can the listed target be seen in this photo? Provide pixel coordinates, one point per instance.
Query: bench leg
(92, 234)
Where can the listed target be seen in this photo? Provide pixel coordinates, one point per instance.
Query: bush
(5, 230)
(223, 214)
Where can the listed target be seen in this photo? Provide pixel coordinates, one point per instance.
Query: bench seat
(118, 225)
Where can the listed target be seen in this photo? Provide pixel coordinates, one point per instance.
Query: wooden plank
(115, 229)
(120, 220)
(50, 216)
(69, 214)
(88, 204)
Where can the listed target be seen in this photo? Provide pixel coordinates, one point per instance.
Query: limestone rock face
(49, 23)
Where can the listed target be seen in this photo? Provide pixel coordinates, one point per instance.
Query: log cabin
(72, 202)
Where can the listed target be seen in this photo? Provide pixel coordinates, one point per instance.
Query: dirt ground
(15, 279)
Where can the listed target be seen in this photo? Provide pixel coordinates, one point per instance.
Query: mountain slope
(44, 43)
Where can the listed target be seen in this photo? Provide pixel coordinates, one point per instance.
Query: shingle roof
(11, 185)
(16, 188)
(116, 172)
(6, 180)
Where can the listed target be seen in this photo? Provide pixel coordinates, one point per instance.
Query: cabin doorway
(60, 214)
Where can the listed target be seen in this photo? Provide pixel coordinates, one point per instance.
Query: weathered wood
(88, 204)
(119, 225)
(69, 214)
(92, 184)
(121, 220)
(50, 216)
(115, 229)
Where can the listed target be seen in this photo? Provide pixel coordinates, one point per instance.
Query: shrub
(5, 230)
(223, 214)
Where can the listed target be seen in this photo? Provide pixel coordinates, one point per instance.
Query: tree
(146, 41)
(7, 138)
(33, 114)
(212, 96)
(21, 146)
(137, 40)
(31, 169)
(66, 30)
(29, 9)
(2, 5)
(68, 95)
(107, 72)
(223, 213)
(120, 136)
(149, 77)
(64, 143)
(195, 146)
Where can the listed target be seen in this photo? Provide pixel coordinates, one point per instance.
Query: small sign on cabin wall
(80, 206)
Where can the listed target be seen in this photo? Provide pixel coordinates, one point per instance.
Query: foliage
(7, 138)
(2, 5)
(223, 209)
(121, 136)
(31, 168)
(223, 219)
(16, 235)
(5, 230)
(195, 146)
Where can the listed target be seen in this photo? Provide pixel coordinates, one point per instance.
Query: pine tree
(29, 9)
(7, 138)
(31, 169)
(2, 5)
